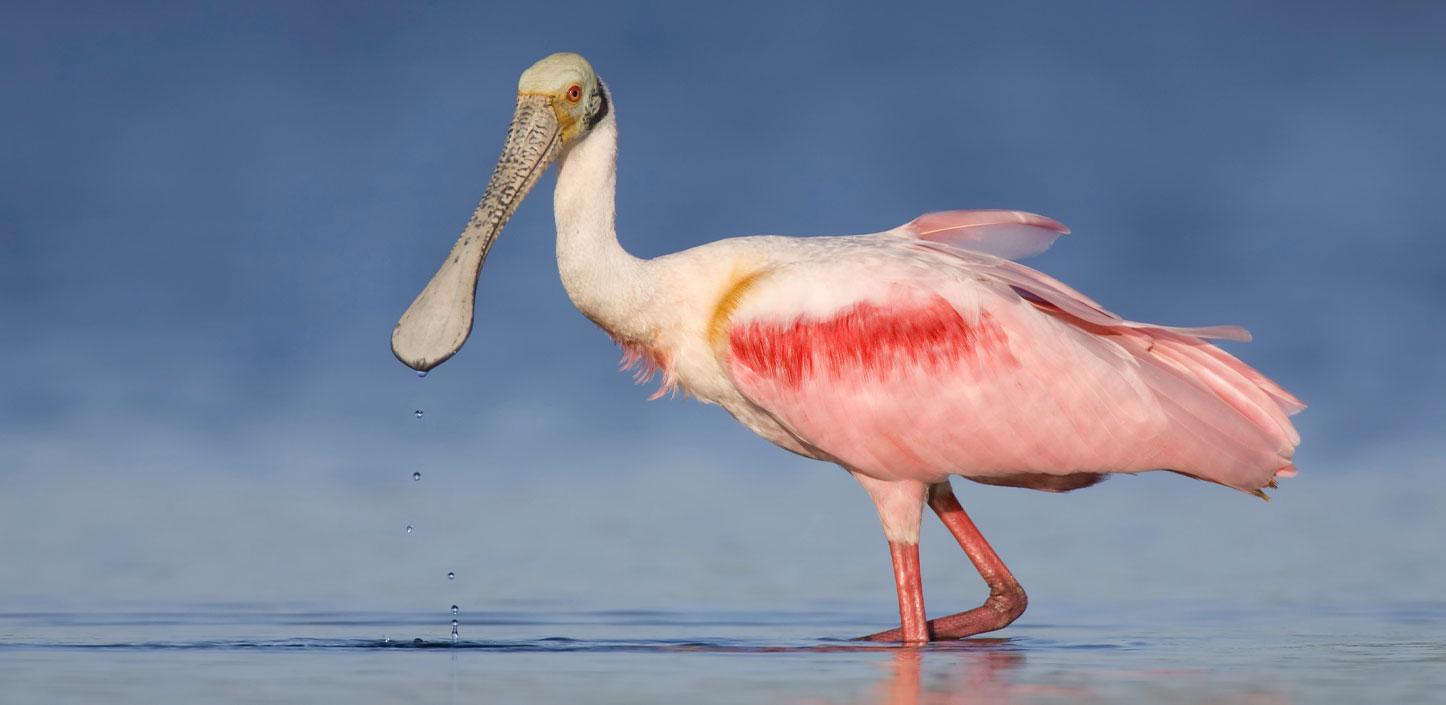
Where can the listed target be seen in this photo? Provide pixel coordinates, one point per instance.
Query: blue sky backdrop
(211, 217)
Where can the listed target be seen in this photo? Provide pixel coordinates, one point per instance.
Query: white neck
(605, 282)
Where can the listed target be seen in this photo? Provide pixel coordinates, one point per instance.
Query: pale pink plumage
(1007, 234)
(955, 361)
(645, 364)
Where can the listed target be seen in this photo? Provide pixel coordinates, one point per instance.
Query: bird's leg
(1006, 598)
(913, 625)
(900, 504)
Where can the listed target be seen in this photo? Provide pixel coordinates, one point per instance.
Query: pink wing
(1017, 234)
(1007, 234)
(946, 362)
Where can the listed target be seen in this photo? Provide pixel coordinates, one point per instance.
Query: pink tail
(1257, 436)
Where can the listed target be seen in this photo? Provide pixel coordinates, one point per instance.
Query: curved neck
(602, 279)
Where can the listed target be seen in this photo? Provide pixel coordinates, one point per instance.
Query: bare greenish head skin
(559, 100)
(568, 82)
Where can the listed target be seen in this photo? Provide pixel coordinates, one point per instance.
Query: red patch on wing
(870, 341)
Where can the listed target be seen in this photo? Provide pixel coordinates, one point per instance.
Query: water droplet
(417, 641)
(409, 528)
(451, 575)
(417, 413)
(454, 611)
(454, 626)
(421, 374)
(416, 477)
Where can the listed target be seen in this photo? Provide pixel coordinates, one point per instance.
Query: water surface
(1154, 652)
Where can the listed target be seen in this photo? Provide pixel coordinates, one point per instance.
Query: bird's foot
(998, 612)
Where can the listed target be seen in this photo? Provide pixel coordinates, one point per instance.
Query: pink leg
(900, 503)
(1006, 598)
(913, 625)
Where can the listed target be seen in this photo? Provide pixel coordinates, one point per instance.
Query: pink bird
(906, 357)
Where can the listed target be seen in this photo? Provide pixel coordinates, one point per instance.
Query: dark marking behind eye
(602, 106)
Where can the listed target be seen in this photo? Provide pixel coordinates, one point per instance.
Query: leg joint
(1008, 601)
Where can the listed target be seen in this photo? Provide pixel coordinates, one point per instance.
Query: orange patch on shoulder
(727, 304)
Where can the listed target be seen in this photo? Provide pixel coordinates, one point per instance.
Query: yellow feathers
(727, 304)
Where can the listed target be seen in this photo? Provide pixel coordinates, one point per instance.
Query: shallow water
(1163, 652)
(1148, 590)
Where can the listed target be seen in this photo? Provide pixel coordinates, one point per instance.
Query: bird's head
(566, 85)
(559, 101)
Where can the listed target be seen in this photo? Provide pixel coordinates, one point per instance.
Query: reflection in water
(976, 672)
(971, 675)
(902, 687)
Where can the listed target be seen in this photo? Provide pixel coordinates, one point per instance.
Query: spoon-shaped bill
(439, 320)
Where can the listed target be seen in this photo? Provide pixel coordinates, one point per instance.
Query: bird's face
(565, 84)
(559, 100)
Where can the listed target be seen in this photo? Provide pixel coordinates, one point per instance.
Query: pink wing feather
(976, 366)
(1007, 234)
(1014, 235)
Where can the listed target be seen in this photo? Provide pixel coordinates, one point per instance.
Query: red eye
(574, 93)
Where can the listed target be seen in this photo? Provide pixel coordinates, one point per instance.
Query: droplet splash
(417, 413)
(451, 575)
(454, 631)
(416, 477)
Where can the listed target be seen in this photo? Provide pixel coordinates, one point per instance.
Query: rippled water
(1172, 652)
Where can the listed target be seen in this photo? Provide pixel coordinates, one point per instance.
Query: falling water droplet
(409, 528)
(421, 374)
(417, 413)
(416, 477)
(454, 611)
(451, 575)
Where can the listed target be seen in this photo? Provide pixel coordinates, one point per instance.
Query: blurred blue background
(211, 217)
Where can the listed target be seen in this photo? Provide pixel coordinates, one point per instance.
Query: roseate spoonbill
(905, 356)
